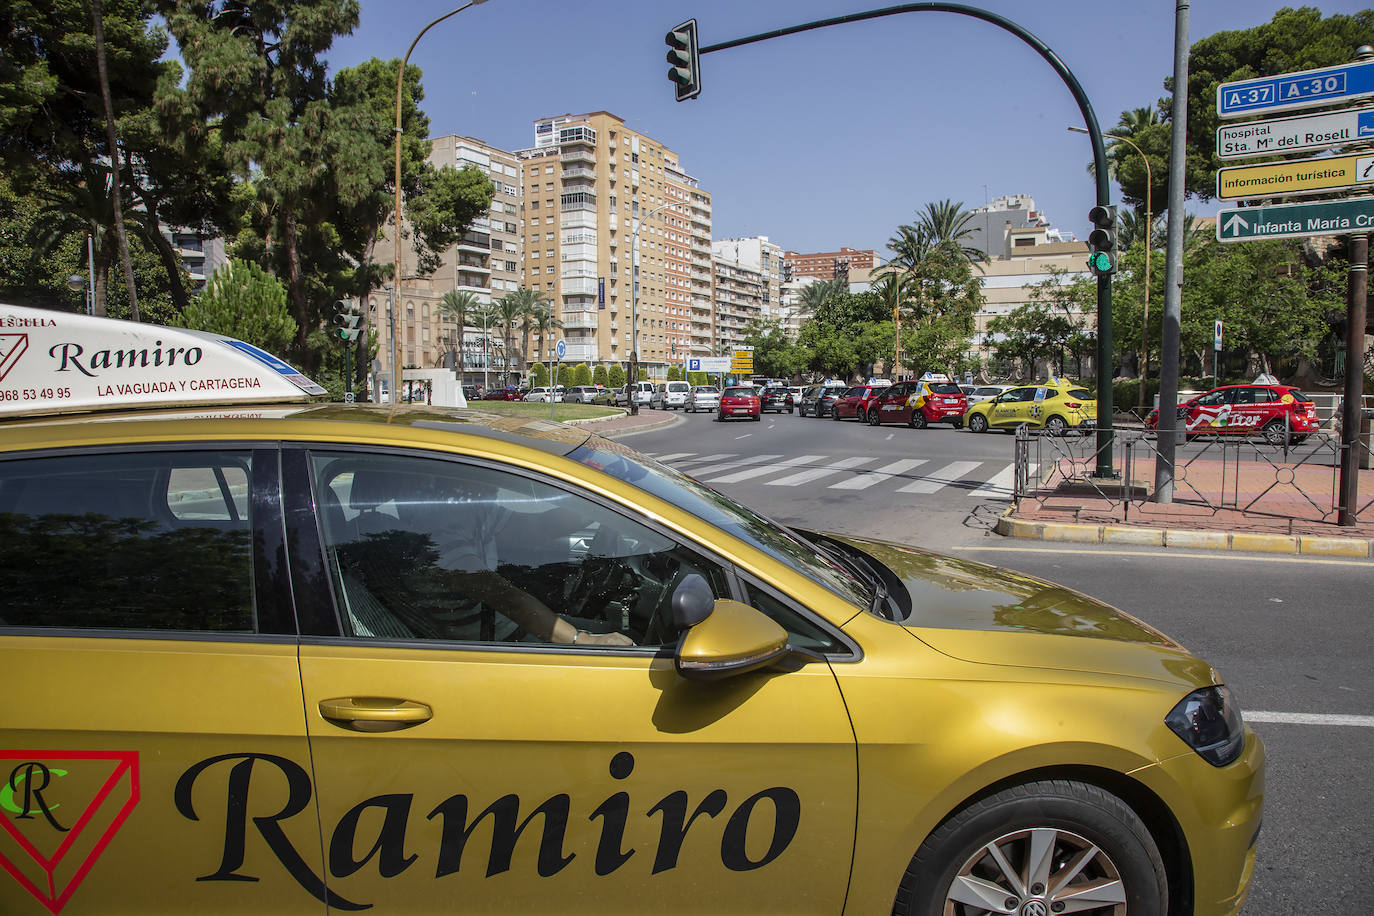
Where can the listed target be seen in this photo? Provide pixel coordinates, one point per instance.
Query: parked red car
(856, 402)
(504, 394)
(920, 403)
(740, 402)
(1271, 411)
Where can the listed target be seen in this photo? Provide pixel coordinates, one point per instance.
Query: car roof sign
(55, 362)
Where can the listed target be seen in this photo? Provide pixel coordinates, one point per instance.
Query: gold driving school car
(1056, 407)
(264, 653)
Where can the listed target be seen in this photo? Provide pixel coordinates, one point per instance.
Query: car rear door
(459, 769)
(153, 754)
(892, 406)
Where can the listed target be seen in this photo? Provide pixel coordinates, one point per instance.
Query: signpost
(709, 364)
(1298, 176)
(1294, 135)
(1289, 91)
(1216, 352)
(1288, 221)
(742, 361)
(560, 350)
(1307, 89)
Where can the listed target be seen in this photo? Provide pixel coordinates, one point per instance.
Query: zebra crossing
(975, 479)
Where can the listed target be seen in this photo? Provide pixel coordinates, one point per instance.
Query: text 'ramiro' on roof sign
(59, 362)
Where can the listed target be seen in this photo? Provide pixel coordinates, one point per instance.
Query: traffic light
(346, 316)
(1102, 241)
(685, 71)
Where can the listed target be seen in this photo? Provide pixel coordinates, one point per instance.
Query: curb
(667, 421)
(1298, 545)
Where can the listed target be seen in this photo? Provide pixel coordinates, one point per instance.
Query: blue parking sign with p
(694, 365)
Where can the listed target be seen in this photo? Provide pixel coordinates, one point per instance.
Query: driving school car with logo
(265, 653)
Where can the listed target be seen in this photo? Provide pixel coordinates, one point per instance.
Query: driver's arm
(533, 616)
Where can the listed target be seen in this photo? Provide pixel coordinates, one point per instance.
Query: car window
(1244, 396)
(739, 393)
(715, 508)
(1265, 395)
(945, 388)
(856, 392)
(429, 549)
(145, 541)
(1081, 393)
(677, 386)
(1214, 398)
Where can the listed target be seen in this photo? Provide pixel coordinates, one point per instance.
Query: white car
(642, 391)
(702, 397)
(543, 394)
(670, 395)
(977, 394)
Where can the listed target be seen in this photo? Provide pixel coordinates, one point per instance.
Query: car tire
(1073, 818)
(875, 418)
(978, 423)
(834, 413)
(757, 417)
(790, 409)
(957, 424)
(1057, 427)
(1273, 432)
(918, 420)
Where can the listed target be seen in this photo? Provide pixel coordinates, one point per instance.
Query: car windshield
(706, 389)
(718, 509)
(739, 393)
(945, 388)
(1298, 395)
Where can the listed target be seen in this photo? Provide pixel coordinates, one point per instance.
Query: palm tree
(484, 314)
(947, 223)
(507, 314)
(815, 295)
(544, 324)
(462, 306)
(530, 302)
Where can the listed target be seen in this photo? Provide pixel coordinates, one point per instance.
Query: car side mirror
(692, 601)
(734, 638)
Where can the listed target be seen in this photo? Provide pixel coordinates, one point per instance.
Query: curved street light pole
(634, 307)
(398, 324)
(1149, 243)
(1104, 463)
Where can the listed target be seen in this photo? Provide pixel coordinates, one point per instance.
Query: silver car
(702, 397)
(670, 395)
(977, 394)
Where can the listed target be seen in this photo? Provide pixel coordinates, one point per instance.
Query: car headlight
(1208, 721)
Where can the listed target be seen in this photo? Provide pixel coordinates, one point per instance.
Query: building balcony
(578, 171)
(578, 155)
(579, 320)
(581, 353)
(472, 267)
(579, 286)
(482, 293)
(579, 219)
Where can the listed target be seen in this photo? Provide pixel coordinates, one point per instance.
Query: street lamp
(398, 329)
(76, 281)
(634, 305)
(1149, 243)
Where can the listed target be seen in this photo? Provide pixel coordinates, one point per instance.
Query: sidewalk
(1216, 507)
(626, 424)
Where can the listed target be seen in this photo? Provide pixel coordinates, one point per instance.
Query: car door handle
(374, 714)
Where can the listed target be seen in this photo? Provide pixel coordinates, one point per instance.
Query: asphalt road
(1290, 635)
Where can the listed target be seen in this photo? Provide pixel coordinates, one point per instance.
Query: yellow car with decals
(261, 653)
(1056, 407)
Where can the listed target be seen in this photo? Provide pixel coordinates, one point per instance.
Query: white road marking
(889, 436)
(941, 478)
(745, 436)
(751, 473)
(793, 480)
(1307, 718)
(709, 458)
(886, 472)
(700, 473)
(1003, 482)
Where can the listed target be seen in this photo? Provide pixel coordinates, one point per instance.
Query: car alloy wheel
(874, 418)
(1056, 426)
(1040, 848)
(978, 423)
(1273, 432)
(918, 420)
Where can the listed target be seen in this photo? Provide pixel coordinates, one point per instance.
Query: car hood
(995, 616)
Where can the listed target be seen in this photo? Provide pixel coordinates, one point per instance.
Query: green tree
(775, 354)
(675, 373)
(814, 296)
(244, 301)
(948, 223)
(539, 376)
(506, 314)
(1049, 327)
(463, 306)
(581, 374)
(599, 376)
(615, 376)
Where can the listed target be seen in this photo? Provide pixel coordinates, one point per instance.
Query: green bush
(615, 376)
(599, 376)
(539, 375)
(581, 375)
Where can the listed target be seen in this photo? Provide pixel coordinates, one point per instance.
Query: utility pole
(1173, 271)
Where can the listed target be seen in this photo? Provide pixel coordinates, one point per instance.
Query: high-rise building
(827, 265)
(757, 253)
(593, 191)
(738, 295)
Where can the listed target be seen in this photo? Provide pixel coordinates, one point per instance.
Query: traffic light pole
(1104, 468)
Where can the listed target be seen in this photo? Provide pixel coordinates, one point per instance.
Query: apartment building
(614, 229)
(827, 265)
(485, 262)
(737, 298)
(998, 227)
(1008, 281)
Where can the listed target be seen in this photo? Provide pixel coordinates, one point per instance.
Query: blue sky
(818, 140)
